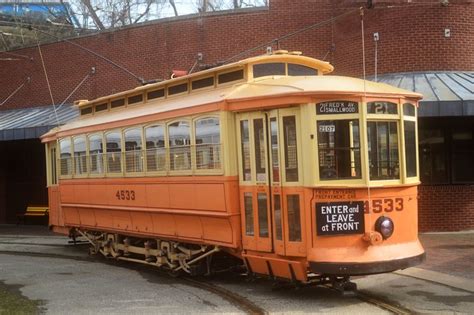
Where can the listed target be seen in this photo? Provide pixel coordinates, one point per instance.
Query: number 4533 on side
(125, 195)
(384, 205)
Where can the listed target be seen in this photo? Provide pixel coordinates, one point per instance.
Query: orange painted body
(197, 210)
(205, 210)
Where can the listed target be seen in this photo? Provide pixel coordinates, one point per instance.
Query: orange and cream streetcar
(298, 174)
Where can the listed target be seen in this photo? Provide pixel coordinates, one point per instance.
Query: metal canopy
(31, 123)
(444, 93)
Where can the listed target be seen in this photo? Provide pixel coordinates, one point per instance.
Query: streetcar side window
(133, 150)
(80, 157)
(277, 213)
(207, 140)
(96, 150)
(114, 152)
(300, 70)
(155, 148)
(54, 179)
(383, 150)
(291, 150)
(274, 149)
(410, 147)
(339, 149)
(65, 157)
(245, 142)
(294, 218)
(264, 69)
(248, 204)
(180, 145)
(259, 145)
(263, 230)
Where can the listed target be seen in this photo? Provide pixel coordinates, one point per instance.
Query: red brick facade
(411, 39)
(446, 208)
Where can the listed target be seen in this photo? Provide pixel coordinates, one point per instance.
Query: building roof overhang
(445, 93)
(31, 123)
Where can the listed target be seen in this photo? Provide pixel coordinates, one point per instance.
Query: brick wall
(411, 39)
(446, 208)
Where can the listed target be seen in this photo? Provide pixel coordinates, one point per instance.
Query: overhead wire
(88, 75)
(108, 60)
(47, 79)
(16, 55)
(15, 91)
(362, 27)
(286, 36)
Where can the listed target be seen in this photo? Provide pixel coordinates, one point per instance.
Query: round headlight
(385, 226)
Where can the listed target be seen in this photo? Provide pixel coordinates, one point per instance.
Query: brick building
(427, 46)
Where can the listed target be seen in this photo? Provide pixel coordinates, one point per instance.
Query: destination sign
(337, 107)
(339, 218)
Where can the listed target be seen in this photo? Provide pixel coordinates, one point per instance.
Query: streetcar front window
(382, 108)
(339, 149)
(383, 150)
(410, 147)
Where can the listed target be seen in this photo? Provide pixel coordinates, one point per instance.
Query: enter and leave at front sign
(333, 218)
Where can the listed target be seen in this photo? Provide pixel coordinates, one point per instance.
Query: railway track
(242, 303)
(389, 306)
(233, 298)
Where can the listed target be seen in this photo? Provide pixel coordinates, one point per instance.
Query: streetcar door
(254, 182)
(290, 196)
(274, 141)
(270, 177)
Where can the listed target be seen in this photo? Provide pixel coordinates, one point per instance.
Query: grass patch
(12, 302)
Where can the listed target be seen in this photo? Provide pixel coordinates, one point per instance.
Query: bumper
(353, 269)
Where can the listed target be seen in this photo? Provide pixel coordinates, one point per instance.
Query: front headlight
(385, 226)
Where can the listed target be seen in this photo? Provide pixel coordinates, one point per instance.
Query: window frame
(360, 117)
(71, 153)
(244, 76)
(104, 166)
(124, 152)
(410, 179)
(164, 172)
(106, 170)
(216, 171)
(73, 144)
(168, 151)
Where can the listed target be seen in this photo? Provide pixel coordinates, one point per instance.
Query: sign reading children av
(334, 218)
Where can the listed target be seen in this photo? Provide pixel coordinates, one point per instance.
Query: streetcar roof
(275, 86)
(323, 67)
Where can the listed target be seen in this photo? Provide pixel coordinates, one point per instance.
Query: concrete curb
(438, 277)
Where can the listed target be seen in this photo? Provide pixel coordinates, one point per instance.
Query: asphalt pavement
(61, 278)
